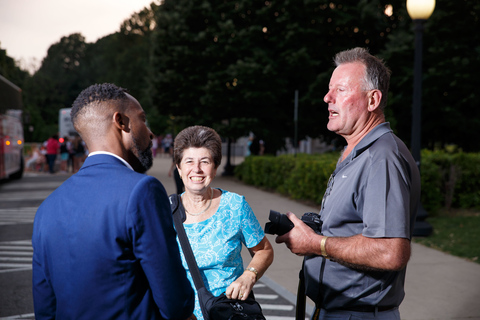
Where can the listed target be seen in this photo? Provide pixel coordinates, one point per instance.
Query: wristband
(254, 271)
(323, 251)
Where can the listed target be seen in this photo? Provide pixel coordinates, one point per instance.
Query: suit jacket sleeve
(154, 243)
(44, 297)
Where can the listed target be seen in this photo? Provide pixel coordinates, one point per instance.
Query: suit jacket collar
(97, 158)
(113, 155)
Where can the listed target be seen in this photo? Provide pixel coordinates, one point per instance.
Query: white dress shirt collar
(111, 154)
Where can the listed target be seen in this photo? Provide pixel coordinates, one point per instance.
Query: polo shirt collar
(369, 139)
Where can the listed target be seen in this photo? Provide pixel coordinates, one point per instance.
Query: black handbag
(213, 308)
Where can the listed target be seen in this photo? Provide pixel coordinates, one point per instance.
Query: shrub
(448, 179)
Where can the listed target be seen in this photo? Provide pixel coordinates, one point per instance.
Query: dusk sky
(29, 27)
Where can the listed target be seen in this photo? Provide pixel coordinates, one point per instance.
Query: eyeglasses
(328, 190)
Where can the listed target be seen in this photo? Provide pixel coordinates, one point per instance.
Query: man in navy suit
(104, 243)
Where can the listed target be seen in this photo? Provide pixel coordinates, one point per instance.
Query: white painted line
(14, 253)
(264, 296)
(282, 307)
(20, 316)
(15, 259)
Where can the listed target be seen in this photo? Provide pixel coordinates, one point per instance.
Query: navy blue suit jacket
(105, 248)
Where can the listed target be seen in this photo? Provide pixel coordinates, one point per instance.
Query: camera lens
(279, 223)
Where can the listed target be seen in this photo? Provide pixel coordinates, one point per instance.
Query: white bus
(11, 130)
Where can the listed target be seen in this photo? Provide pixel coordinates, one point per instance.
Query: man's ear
(374, 98)
(121, 121)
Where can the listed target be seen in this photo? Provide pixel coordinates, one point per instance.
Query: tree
(235, 66)
(451, 51)
(241, 62)
(10, 70)
(55, 85)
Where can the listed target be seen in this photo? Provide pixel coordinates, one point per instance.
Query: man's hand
(301, 240)
(192, 317)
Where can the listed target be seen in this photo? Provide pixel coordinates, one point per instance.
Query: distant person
(160, 145)
(249, 143)
(78, 153)
(43, 152)
(218, 222)
(52, 147)
(154, 146)
(173, 171)
(254, 146)
(104, 243)
(35, 161)
(261, 148)
(167, 142)
(356, 268)
(71, 154)
(64, 154)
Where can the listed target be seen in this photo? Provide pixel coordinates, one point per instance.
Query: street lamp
(419, 11)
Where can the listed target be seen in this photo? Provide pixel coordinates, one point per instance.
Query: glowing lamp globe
(420, 9)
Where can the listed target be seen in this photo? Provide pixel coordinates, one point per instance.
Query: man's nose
(328, 97)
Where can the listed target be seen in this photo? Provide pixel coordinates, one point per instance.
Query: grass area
(456, 232)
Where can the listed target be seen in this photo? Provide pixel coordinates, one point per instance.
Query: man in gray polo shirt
(356, 269)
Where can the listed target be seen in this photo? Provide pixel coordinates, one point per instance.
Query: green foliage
(219, 61)
(451, 50)
(448, 180)
(9, 69)
(456, 235)
(309, 177)
(301, 177)
(209, 62)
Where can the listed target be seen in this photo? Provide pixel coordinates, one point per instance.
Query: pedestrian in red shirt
(53, 147)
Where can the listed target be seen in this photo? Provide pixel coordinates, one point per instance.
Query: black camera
(280, 224)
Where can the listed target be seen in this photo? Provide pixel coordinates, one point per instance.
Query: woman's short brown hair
(198, 137)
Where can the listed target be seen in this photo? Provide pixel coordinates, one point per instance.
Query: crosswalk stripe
(15, 265)
(17, 215)
(15, 253)
(282, 307)
(16, 248)
(15, 256)
(20, 316)
(18, 242)
(266, 296)
(15, 259)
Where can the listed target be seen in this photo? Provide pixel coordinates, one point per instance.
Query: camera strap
(301, 297)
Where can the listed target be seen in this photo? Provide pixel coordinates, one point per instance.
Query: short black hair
(95, 93)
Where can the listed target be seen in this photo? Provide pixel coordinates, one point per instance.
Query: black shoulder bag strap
(182, 236)
(178, 217)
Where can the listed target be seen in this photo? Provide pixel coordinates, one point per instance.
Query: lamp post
(419, 11)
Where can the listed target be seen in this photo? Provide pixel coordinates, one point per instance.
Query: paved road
(438, 286)
(19, 201)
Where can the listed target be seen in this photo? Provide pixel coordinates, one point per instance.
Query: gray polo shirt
(375, 192)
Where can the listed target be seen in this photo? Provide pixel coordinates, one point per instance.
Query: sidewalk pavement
(438, 286)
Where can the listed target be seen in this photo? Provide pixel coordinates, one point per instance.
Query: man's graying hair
(377, 75)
